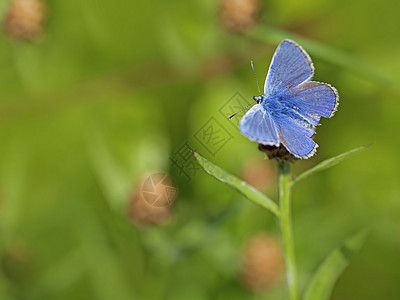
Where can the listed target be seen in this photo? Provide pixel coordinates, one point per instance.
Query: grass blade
(247, 190)
(328, 163)
(321, 285)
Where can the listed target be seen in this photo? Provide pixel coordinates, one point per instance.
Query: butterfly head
(257, 99)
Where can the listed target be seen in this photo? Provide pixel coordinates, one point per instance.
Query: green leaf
(321, 285)
(247, 190)
(328, 163)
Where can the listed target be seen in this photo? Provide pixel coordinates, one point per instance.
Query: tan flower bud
(279, 153)
(262, 262)
(238, 15)
(152, 200)
(24, 19)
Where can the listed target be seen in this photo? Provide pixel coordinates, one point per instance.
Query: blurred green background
(112, 89)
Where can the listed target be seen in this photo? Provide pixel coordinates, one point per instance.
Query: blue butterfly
(292, 104)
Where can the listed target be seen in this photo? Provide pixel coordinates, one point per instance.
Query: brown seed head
(262, 262)
(238, 15)
(152, 200)
(279, 153)
(24, 19)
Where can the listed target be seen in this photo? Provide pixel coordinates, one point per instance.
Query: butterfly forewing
(258, 126)
(290, 66)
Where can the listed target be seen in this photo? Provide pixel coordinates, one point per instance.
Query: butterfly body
(273, 103)
(292, 104)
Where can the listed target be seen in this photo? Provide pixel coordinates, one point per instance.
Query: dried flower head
(262, 262)
(152, 200)
(238, 15)
(279, 153)
(25, 19)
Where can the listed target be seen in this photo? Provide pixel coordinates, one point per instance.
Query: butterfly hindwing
(295, 137)
(313, 98)
(290, 66)
(304, 106)
(258, 126)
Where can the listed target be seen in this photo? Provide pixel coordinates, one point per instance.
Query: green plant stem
(285, 223)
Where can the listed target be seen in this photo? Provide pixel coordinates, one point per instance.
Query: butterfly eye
(257, 99)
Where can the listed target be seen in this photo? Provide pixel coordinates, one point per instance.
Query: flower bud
(24, 19)
(262, 262)
(152, 200)
(279, 153)
(238, 15)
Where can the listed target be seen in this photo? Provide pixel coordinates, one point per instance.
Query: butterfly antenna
(252, 67)
(240, 111)
(254, 72)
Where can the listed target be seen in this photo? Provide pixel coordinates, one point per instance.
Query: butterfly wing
(304, 106)
(313, 98)
(290, 66)
(258, 126)
(295, 137)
